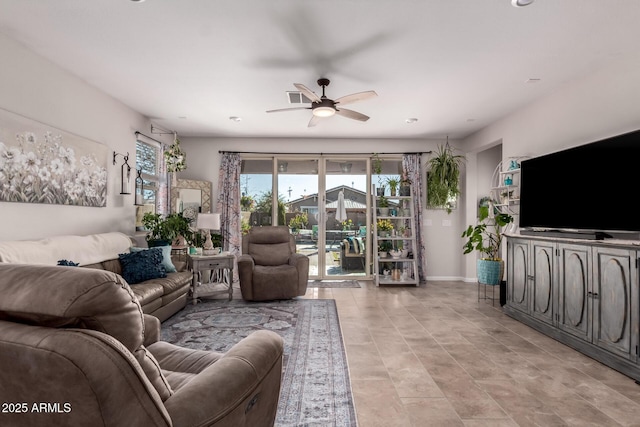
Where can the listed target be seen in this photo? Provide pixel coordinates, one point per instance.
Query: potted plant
(246, 202)
(162, 231)
(383, 247)
(486, 238)
(405, 184)
(443, 178)
(383, 206)
(376, 168)
(393, 182)
(384, 227)
(298, 222)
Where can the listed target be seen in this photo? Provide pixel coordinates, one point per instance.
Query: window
(147, 160)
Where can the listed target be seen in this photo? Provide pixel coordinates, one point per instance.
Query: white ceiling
(455, 65)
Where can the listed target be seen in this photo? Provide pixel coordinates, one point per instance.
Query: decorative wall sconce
(345, 167)
(139, 188)
(125, 173)
(282, 166)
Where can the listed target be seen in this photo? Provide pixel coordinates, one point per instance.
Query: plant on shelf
(383, 206)
(443, 178)
(486, 238)
(405, 184)
(162, 231)
(393, 182)
(376, 169)
(384, 227)
(298, 222)
(383, 248)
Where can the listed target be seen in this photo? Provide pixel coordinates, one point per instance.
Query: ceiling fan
(321, 106)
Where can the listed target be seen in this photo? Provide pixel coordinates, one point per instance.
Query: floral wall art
(42, 164)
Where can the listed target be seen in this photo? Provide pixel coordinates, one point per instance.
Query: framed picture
(42, 164)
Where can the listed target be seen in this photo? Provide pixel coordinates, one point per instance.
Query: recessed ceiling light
(471, 120)
(137, 1)
(411, 120)
(521, 3)
(235, 118)
(534, 80)
(181, 117)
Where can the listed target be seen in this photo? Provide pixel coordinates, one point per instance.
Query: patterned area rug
(316, 390)
(333, 284)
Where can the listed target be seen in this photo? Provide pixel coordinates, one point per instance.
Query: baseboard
(446, 279)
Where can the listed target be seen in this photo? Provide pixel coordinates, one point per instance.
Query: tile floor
(435, 356)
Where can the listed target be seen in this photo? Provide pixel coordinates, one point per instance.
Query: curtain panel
(228, 204)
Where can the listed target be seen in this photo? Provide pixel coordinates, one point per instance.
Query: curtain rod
(147, 136)
(315, 154)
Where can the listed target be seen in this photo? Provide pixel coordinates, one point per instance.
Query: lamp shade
(210, 221)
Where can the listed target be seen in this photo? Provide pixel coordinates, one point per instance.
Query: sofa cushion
(140, 266)
(81, 249)
(147, 291)
(269, 254)
(166, 257)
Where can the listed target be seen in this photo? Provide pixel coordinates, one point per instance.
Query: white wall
(35, 88)
(602, 104)
(443, 242)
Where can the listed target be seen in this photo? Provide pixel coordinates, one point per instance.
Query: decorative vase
(490, 271)
(396, 273)
(405, 190)
(393, 191)
(380, 191)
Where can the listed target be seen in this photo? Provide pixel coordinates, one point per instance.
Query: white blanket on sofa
(84, 250)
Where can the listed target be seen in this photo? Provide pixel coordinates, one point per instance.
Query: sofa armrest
(151, 329)
(241, 388)
(301, 262)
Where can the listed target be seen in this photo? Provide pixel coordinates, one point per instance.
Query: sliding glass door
(346, 224)
(324, 202)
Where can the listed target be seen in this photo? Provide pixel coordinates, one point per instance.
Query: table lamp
(208, 222)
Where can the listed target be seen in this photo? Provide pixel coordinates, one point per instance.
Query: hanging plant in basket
(443, 178)
(175, 158)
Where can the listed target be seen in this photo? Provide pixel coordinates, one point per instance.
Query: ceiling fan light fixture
(521, 3)
(324, 111)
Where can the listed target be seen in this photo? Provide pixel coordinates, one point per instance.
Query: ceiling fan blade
(307, 92)
(350, 114)
(288, 109)
(314, 121)
(355, 97)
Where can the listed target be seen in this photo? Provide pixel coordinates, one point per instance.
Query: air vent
(297, 98)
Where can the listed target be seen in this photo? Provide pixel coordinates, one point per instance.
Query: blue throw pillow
(140, 266)
(166, 257)
(68, 263)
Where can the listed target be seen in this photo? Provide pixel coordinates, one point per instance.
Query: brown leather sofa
(77, 350)
(269, 267)
(161, 297)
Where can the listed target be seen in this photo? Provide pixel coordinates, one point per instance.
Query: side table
(199, 263)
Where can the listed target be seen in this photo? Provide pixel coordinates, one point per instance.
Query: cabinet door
(574, 286)
(517, 275)
(615, 306)
(543, 281)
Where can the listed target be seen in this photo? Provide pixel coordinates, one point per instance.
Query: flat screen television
(590, 188)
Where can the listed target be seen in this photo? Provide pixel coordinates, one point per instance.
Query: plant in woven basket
(175, 158)
(443, 179)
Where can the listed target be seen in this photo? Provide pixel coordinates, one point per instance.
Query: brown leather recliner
(77, 350)
(269, 267)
